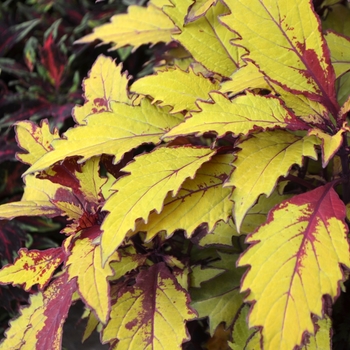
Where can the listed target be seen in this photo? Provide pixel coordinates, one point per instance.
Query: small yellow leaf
(36, 140)
(141, 25)
(198, 9)
(104, 84)
(32, 267)
(85, 263)
(176, 88)
(153, 176)
(28, 208)
(262, 160)
(294, 261)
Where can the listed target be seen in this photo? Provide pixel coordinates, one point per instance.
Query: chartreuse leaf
(141, 25)
(115, 133)
(199, 275)
(293, 263)
(150, 314)
(40, 324)
(198, 9)
(153, 176)
(104, 84)
(208, 41)
(85, 264)
(32, 267)
(36, 140)
(330, 143)
(239, 116)
(204, 194)
(262, 160)
(287, 44)
(339, 47)
(219, 298)
(323, 337)
(176, 88)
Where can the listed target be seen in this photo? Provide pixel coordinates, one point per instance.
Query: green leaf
(152, 177)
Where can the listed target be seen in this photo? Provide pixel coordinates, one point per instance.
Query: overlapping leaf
(32, 267)
(152, 177)
(176, 88)
(40, 325)
(297, 256)
(287, 45)
(141, 25)
(204, 194)
(85, 264)
(151, 314)
(262, 160)
(104, 84)
(115, 133)
(219, 298)
(239, 116)
(198, 9)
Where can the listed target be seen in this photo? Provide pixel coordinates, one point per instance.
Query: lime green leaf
(141, 25)
(32, 267)
(323, 338)
(299, 58)
(298, 262)
(115, 133)
(152, 177)
(340, 56)
(90, 326)
(150, 314)
(199, 275)
(239, 116)
(219, 298)
(204, 194)
(265, 157)
(36, 140)
(198, 9)
(85, 264)
(176, 88)
(104, 84)
(208, 41)
(40, 325)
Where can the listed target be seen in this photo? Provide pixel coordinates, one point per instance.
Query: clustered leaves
(240, 134)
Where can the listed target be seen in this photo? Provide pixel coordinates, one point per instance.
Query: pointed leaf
(265, 157)
(141, 25)
(198, 9)
(220, 299)
(85, 264)
(151, 313)
(40, 324)
(104, 84)
(176, 88)
(297, 261)
(204, 194)
(299, 58)
(239, 116)
(32, 267)
(115, 133)
(323, 337)
(339, 47)
(208, 41)
(36, 140)
(152, 177)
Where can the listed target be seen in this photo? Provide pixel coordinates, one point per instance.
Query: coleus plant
(241, 133)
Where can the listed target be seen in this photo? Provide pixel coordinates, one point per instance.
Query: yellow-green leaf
(198, 9)
(176, 88)
(262, 160)
(85, 264)
(204, 194)
(36, 140)
(199, 275)
(287, 44)
(152, 177)
(141, 25)
(322, 340)
(115, 133)
(207, 39)
(104, 84)
(294, 261)
(32, 267)
(339, 47)
(239, 116)
(28, 208)
(150, 314)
